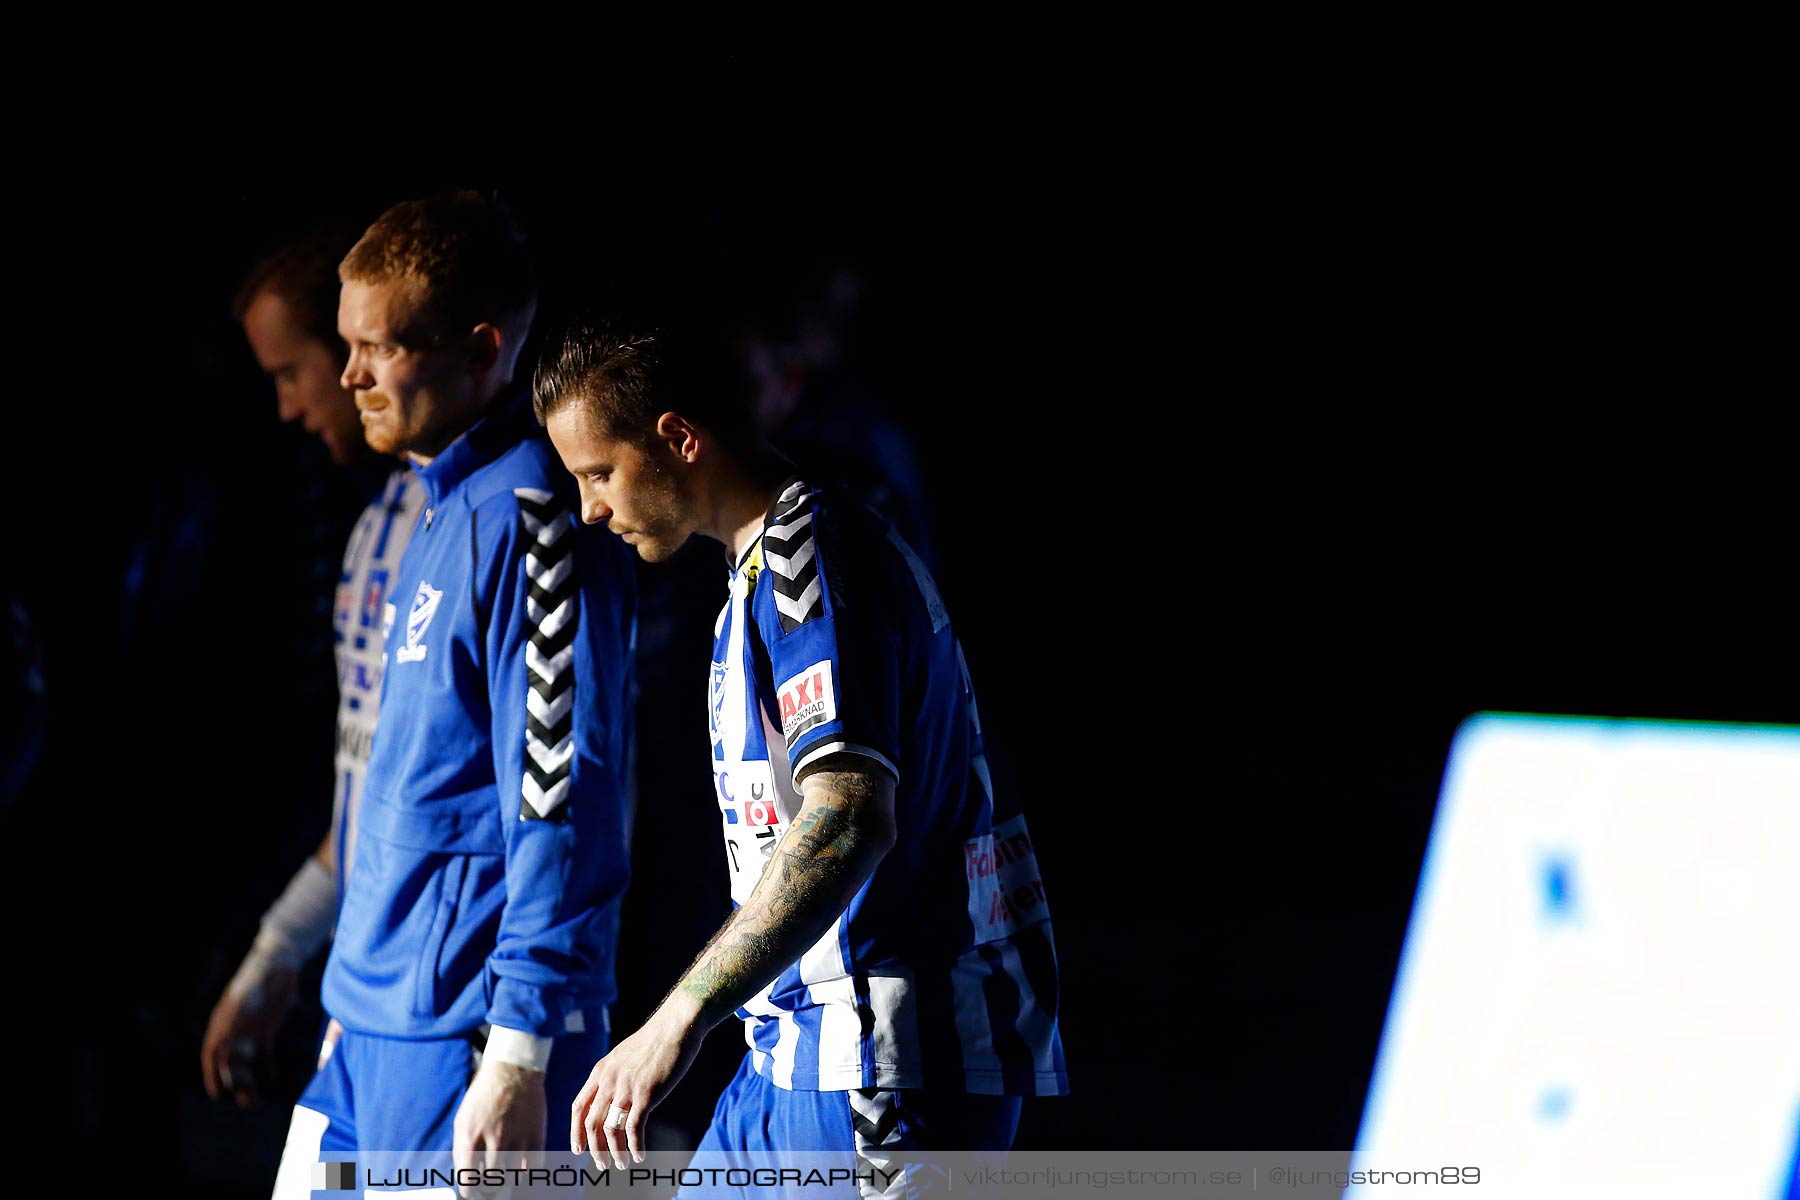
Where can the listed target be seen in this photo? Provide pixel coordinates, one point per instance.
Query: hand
(243, 1026)
(637, 1075)
(503, 1110)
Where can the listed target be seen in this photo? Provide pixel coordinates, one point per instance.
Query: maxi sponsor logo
(807, 700)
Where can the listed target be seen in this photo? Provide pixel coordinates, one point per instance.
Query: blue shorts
(392, 1094)
(755, 1123)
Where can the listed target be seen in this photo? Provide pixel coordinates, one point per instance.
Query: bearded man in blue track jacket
(473, 962)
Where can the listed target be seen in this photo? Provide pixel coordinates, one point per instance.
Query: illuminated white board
(1600, 989)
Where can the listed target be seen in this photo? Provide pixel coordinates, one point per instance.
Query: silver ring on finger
(615, 1116)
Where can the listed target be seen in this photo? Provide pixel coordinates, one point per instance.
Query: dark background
(1251, 471)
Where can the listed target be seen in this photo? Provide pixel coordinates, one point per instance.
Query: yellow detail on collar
(752, 567)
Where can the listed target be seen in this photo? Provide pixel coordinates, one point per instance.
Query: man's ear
(485, 341)
(681, 435)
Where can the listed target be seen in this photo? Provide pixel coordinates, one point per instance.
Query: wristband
(517, 1047)
(301, 919)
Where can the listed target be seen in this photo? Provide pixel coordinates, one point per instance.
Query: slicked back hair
(304, 274)
(625, 378)
(464, 253)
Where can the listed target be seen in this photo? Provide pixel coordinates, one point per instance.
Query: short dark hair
(304, 274)
(464, 252)
(625, 378)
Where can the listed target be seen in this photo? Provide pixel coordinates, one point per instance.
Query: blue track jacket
(492, 851)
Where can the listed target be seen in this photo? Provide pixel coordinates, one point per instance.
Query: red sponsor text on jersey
(1013, 908)
(805, 691)
(986, 855)
(807, 700)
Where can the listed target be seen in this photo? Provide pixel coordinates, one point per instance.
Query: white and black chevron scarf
(551, 608)
(790, 556)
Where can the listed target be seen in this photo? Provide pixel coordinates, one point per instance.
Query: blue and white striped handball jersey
(942, 971)
(370, 559)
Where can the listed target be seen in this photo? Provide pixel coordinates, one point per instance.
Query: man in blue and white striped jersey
(889, 951)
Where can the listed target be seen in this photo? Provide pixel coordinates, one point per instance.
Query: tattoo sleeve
(843, 828)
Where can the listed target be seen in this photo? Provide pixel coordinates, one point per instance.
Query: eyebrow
(350, 335)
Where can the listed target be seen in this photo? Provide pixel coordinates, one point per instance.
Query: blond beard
(383, 435)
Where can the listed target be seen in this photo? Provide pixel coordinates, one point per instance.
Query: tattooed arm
(843, 829)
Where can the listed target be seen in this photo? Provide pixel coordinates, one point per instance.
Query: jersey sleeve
(558, 649)
(833, 638)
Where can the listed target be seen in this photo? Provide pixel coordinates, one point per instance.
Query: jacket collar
(506, 422)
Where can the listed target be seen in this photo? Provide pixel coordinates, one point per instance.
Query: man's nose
(287, 405)
(594, 511)
(356, 376)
